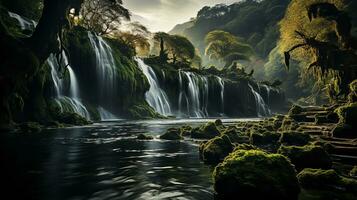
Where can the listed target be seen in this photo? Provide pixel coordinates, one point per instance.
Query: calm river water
(105, 161)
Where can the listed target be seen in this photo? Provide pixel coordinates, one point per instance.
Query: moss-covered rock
(344, 131)
(72, 119)
(317, 179)
(172, 134)
(294, 138)
(144, 137)
(257, 175)
(353, 172)
(295, 110)
(264, 138)
(309, 156)
(30, 127)
(207, 131)
(216, 149)
(347, 114)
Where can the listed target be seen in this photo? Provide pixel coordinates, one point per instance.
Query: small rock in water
(144, 137)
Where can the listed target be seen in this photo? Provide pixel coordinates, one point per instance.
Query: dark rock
(172, 134)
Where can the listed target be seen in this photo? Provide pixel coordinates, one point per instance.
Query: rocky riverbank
(310, 153)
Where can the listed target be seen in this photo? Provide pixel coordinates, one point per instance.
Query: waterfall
(105, 63)
(156, 97)
(262, 108)
(197, 97)
(221, 84)
(73, 101)
(25, 24)
(106, 115)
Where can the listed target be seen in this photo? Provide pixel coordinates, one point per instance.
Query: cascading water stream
(106, 73)
(25, 24)
(73, 101)
(156, 97)
(262, 108)
(196, 97)
(221, 84)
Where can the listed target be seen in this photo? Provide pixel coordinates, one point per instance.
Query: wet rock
(172, 134)
(318, 179)
(294, 138)
(257, 175)
(30, 127)
(216, 149)
(309, 156)
(72, 119)
(207, 131)
(144, 137)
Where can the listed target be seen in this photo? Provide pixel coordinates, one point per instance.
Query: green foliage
(226, 47)
(178, 47)
(257, 175)
(309, 156)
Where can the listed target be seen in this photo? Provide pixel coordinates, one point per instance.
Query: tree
(223, 46)
(318, 34)
(137, 36)
(103, 16)
(177, 47)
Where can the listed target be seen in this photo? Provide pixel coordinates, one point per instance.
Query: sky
(163, 15)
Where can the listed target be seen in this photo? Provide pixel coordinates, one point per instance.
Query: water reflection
(104, 161)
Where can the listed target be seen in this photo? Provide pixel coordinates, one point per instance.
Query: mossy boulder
(186, 131)
(309, 156)
(144, 137)
(294, 138)
(344, 131)
(346, 127)
(172, 134)
(207, 131)
(255, 174)
(30, 127)
(352, 96)
(318, 179)
(295, 110)
(72, 119)
(216, 149)
(347, 114)
(353, 172)
(264, 138)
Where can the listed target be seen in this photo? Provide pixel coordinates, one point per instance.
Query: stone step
(340, 150)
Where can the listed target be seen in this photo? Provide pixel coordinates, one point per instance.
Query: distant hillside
(254, 21)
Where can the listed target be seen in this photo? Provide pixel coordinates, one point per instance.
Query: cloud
(163, 15)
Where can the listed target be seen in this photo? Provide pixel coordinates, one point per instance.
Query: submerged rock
(257, 175)
(144, 137)
(172, 134)
(309, 156)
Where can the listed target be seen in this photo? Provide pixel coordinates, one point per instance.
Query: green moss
(353, 172)
(295, 109)
(172, 134)
(144, 137)
(294, 138)
(264, 138)
(257, 175)
(72, 119)
(344, 131)
(325, 180)
(347, 114)
(207, 131)
(309, 156)
(30, 127)
(216, 149)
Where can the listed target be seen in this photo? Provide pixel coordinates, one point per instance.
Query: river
(106, 161)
